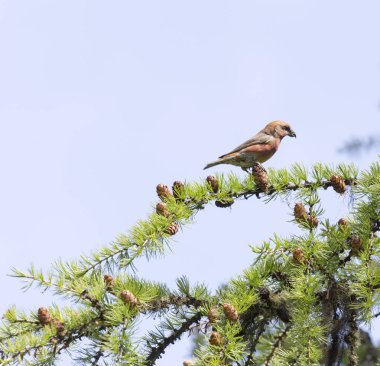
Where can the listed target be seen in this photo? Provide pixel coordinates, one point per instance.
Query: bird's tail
(213, 163)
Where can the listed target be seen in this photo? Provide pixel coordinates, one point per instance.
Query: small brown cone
(162, 209)
(230, 312)
(177, 188)
(338, 184)
(312, 220)
(343, 222)
(224, 203)
(264, 293)
(44, 316)
(215, 339)
(211, 180)
(187, 363)
(128, 298)
(172, 229)
(213, 315)
(298, 256)
(60, 327)
(300, 212)
(163, 191)
(260, 176)
(355, 243)
(108, 280)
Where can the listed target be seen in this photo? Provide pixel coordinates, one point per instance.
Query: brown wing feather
(259, 139)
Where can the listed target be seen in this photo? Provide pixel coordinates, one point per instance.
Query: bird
(258, 149)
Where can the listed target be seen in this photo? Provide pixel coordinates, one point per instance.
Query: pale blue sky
(102, 100)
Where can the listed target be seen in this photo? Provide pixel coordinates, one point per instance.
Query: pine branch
(56, 344)
(192, 202)
(323, 273)
(159, 350)
(97, 357)
(173, 301)
(277, 344)
(352, 340)
(255, 341)
(122, 251)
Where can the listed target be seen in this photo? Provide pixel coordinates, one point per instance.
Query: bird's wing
(259, 139)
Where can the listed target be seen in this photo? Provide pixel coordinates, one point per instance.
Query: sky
(101, 101)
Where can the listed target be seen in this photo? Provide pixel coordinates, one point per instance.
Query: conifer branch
(352, 340)
(174, 300)
(192, 201)
(158, 350)
(255, 341)
(97, 357)
(55, 344)
(277, 344)
(123, 251)
(319, 285)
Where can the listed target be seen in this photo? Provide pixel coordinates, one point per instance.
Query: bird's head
(279, 129)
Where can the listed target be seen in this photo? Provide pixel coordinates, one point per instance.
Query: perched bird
(258, 148)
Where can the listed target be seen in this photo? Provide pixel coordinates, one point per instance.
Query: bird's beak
(292, 133)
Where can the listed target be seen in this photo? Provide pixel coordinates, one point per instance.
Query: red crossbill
(258, 148)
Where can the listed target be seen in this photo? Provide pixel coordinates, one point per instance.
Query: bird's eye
(287, 128)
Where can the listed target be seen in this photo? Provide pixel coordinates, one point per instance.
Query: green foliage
(301, 302)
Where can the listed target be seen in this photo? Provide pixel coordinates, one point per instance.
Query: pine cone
(163, 191)
(211, 180)
(343, 222)
(298, 256)
(162, 209)
(60, 328)
(338, 184)
(177, 189)
(215, 339)
(260, 176)
(44, 316)
(187, 363)
(264, 293)
(224, 203)
(312, 220)
(230, 312)
(128, 298)
(213, 315)
(300, 212)
(108, 279)
(172, 229)
(355, 243)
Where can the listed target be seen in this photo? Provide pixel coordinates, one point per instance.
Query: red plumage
(258, 148)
